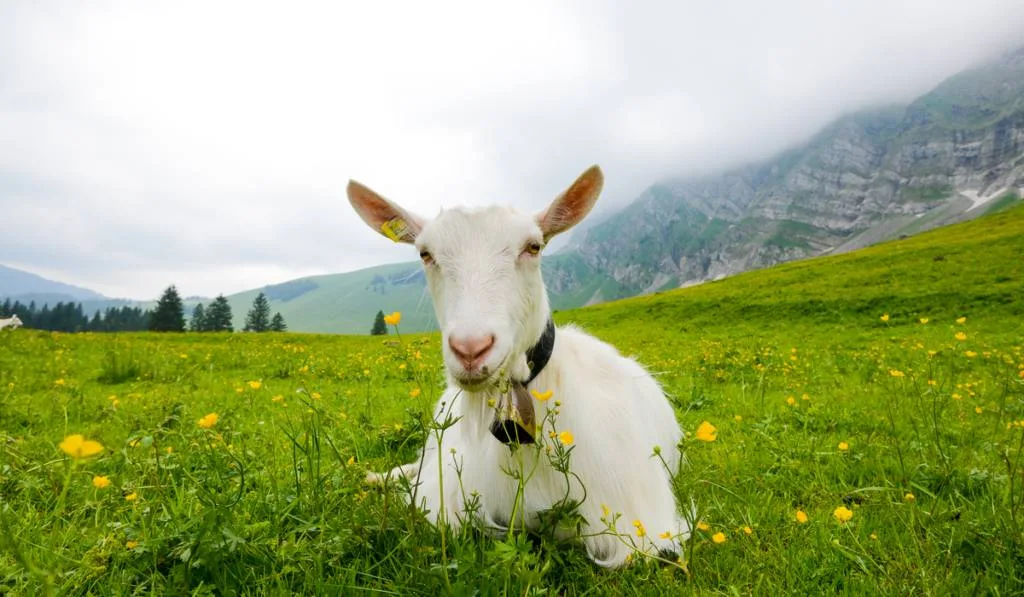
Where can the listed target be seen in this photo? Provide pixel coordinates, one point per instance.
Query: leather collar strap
(509, 430)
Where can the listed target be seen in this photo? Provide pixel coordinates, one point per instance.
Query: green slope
(976, 266)
(346, 303)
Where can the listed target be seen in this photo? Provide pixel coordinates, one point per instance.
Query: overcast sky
(208, 144)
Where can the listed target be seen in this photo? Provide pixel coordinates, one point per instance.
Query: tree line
(167, 316)
(71, 317)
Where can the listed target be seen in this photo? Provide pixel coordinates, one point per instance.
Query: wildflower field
(854, 424)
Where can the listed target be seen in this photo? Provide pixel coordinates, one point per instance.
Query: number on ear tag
(394, 229)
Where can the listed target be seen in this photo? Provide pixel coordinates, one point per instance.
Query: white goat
(483, 271)
(10, 322)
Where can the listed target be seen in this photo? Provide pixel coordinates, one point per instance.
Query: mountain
(20, 285)
(870, 176)
(951, 155)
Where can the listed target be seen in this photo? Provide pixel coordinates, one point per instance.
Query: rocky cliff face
(868, 177)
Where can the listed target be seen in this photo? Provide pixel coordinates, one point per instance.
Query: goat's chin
(477, 381)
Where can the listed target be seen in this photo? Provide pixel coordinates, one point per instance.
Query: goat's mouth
(479, 379)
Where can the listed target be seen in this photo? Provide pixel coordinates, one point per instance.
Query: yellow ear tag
(394, 229)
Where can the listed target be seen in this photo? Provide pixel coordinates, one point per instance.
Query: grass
(788, 363)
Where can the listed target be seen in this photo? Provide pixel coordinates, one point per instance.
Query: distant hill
(20, 285)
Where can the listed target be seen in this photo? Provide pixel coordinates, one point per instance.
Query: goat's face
(483, 271)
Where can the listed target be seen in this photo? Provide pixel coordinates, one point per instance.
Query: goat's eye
(532, 249)
(426, 257)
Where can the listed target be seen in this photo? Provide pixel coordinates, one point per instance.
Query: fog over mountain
(209, 146)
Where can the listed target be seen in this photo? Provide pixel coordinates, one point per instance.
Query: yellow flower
(960, 336)
(100, 481)
(874, 537)
(255, 385)
(414, 393)
(748, 530)
(923, 320)
(843, 446)
(801, 516)
(59, 382)
(605, 511)
(932, 382)
(394, 318)
(909, 497)
(718, 537)
(131, 544)
(278, 398)
(884, 317)
(971, 354)
(315, 395)
(665, 535)
(791, 401)
(76, 446)
(962, 320)
(703, 526)
(351, 460)
(977, 409)
(640, 530)
(707, 432)
(542, 396)
(842, 514)
(566, 438)
(738, 418)
(131, 497)
(208, 421)
(896, 373)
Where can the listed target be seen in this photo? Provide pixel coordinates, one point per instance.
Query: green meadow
(869, 439)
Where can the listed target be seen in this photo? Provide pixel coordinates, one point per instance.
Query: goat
(10, 322)
(483, 271)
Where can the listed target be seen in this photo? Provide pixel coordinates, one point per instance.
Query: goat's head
(483, 269)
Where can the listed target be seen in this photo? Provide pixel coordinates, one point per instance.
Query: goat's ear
(569, 208)
(384, 216)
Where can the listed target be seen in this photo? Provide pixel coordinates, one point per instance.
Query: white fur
(483, 282)
(10, 322)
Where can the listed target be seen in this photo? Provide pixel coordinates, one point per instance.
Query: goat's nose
(471, 350)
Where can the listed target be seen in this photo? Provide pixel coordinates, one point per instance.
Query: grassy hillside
(346, 303)
(885, 386)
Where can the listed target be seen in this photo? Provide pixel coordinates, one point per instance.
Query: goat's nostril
(471, 350)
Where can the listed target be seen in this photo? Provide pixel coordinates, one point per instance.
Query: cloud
(208, 145)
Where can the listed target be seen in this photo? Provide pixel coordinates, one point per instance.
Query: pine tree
(198, 323)
(169, 315)
(379, 327)
(258, 318)
(218, 316)
(277, 324)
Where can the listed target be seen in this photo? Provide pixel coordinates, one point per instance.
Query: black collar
(540, 353)
(508, 430)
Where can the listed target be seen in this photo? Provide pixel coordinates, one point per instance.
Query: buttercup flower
(842, 514)
(208, 421)
(394, 318)
(843, 446)
(718, 537)
(960, 336)
(542, 396)
(255, 385)
(962, 320)
(909, 497)
(76, 446)
(706, 432)
(566, 438)
(640, 530)
(414, 393)
(131, 497)
(801, 516)
(884, 317)
(100, 481)
(703, 526)
(665, 535)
